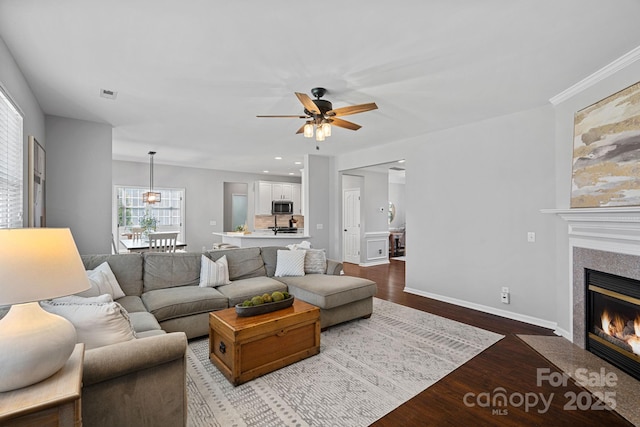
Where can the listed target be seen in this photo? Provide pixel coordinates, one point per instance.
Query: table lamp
(36, 264)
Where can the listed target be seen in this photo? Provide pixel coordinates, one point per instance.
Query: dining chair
(136, 233)
(162, 242)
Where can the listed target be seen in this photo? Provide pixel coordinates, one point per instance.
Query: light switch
(531, 237)
(213, 223)
(319, 226)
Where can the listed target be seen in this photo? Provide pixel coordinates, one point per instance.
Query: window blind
(11, 178)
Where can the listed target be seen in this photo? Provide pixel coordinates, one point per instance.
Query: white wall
(564, 115)
(13, 82)
(78, 157)
(472, 194)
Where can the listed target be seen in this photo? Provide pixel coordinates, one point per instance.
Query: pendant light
(151, 197)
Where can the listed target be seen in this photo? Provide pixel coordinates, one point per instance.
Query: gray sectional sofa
(142, 382)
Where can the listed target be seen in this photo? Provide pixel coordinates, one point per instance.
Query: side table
(51, 402)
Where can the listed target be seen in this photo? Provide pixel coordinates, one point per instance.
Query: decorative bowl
(267, 307)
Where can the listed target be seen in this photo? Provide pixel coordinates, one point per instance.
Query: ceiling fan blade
(353, 109)
(308, 103)
(287, 117)
(301, 130)
(344, 124)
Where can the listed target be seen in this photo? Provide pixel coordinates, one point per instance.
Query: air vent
(109, 94)
(396, 168)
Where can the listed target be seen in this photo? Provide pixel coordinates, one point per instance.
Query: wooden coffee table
(244, 348)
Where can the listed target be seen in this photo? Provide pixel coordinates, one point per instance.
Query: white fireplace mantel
(612, 230)
(614, 224)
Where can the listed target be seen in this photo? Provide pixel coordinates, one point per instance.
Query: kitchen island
(262, 238)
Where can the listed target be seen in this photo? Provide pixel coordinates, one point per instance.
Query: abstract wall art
(606, 152)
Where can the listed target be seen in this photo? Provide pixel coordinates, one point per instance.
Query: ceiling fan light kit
(320, 115)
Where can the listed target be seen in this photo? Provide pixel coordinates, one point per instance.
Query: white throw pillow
(102, 281)
(214, 273)
(290, 263)
(99, 285)
(315, 261)
(97, 323)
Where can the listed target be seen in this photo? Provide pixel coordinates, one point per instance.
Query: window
(131, 209)
(11, 147)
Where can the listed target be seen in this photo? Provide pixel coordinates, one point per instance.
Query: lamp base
(34, 345)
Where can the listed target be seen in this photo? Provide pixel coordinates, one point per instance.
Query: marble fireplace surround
(603, 239)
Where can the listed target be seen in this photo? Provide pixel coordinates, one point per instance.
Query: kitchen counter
(262, 238)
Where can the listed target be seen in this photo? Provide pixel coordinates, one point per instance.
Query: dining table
(142, 245)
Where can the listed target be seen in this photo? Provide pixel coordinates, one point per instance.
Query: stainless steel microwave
(281, 207)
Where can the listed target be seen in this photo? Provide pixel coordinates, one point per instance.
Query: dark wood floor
(509, 364)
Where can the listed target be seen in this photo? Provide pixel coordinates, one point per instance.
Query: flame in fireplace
(627, 332)
(606, 322)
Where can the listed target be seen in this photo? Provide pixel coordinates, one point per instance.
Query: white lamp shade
(38, 264)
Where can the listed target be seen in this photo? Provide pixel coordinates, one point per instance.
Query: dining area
(136, 240)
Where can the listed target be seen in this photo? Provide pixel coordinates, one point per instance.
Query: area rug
(365, 369)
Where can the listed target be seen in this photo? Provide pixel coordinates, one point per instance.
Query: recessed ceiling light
(291, 173)
(109, 94)
(298, 163)
(265, 171)
(278, 158)
(401, 161)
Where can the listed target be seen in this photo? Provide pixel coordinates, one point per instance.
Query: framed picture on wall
(606, 152)
(37, 184)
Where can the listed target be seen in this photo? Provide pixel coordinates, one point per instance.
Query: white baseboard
(563, 333)
(486, 309)
(372, 263)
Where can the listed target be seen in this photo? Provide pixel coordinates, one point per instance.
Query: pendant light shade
(151, 197)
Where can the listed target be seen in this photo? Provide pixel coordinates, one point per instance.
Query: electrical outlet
(504, 297)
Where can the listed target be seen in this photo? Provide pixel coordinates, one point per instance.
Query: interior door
(351, 223)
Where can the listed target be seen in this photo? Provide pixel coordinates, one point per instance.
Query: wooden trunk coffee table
(244, 348)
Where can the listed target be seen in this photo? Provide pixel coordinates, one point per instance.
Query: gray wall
(318, 181)
(79, 181)
(204, 193)
(396, 196)
(13, 82)
(472, 194)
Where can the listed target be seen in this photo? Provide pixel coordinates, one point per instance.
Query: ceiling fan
(321, 116)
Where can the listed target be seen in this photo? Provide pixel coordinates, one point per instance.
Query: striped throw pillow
(315, 261)
(214, 273)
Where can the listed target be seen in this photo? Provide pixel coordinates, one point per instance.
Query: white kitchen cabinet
(263, 198)
(267, 191)
(282, 190)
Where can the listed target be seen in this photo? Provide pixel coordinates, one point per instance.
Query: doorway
(382, 215)
(236, 208)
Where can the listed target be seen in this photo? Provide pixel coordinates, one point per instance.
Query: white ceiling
(192, 75)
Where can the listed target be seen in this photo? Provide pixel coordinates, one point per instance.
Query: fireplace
(613, 319)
